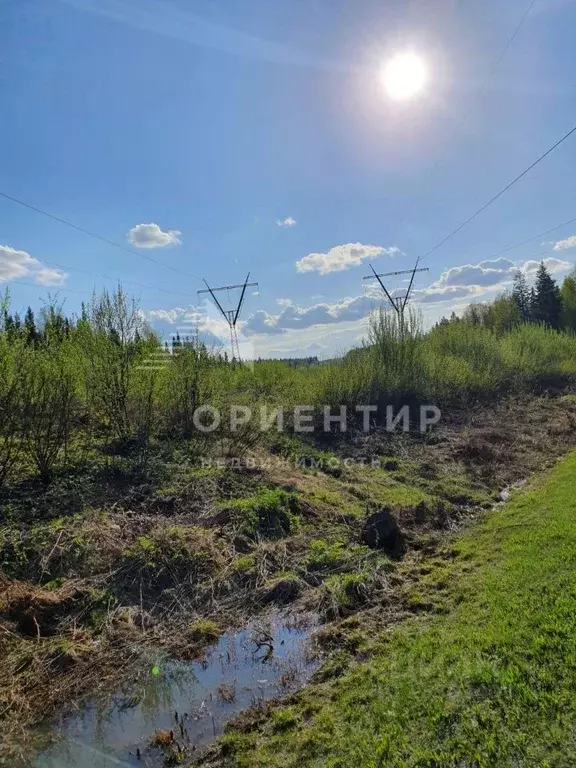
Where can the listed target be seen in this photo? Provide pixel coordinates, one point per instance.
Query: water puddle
(193, 700)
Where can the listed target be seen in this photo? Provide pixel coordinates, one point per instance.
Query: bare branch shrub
(48, 407)
(115, 340)
(12, 429)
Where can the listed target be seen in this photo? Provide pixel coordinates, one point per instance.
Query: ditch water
(263, 661)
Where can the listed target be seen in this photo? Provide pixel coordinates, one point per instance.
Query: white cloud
(436, 295)
(151, 236)
(49, 276)
(171, 316)
(188, 320)
(324, 341)
(286, 222)
(15, 264)
(342, 257)
(293, 317)
(564, 245)
(554, 266)
(473, 280)
(293, 327)
(485, 273)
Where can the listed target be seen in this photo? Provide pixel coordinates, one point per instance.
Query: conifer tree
(30, 327)
(521, 295)
(548, 302)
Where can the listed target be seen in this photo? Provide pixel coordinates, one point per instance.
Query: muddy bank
(181, 706)
(90, 594)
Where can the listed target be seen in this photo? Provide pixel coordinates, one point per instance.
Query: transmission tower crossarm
(400, 272)
(390, 299)
(212, 293)
(241, 299)
(410, 285)
(227, 287)
(231, 315)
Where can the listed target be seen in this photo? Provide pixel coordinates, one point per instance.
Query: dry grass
(91, 591)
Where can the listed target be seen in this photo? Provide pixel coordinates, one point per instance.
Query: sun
(404, 76)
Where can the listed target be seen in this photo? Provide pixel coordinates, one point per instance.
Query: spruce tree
(532, 304)
(548, 301)
(8, 324)
(30, 327)
(521, 295)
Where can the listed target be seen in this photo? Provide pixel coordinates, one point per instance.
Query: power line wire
(55, 287)
(114, 279)
(531, 239)
(463, 123)
(96, 236)
(498, 195)
(514, 35)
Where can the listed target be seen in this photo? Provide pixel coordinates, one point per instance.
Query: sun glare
(404, 76)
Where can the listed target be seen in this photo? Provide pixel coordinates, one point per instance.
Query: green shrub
(326, 557)
(204, 631)
(348, 591)
(172, 555)
(269, 513)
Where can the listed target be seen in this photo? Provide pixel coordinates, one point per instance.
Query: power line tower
(398, 302)
(231, 315)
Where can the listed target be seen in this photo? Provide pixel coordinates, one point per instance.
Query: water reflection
(193, 700)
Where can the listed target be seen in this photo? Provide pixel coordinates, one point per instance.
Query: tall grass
(453, 364)
(91, 378)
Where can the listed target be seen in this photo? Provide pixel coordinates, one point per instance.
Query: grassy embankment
(114, 538)
(488, 679)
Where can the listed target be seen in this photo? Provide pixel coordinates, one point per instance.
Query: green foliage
(568, 293)
(269, 513)
(49, 405)
(323, 556)
(347, 591)
(204, 631)
(489, 681)
(65, 547)
(115, 342)
(13, 400)
(169, 556)
(547, 305)
(521, 296)
(64, 381)
(246, 563)
(186, 386)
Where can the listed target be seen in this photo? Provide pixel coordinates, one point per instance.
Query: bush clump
(270, 513)
(323, 556)
(175, 555)
(204, 631)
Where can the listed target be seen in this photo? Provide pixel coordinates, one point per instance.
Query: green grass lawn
(489, 680)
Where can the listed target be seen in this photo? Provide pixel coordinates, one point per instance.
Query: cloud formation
(16, 264)
(554, 266)
(472, 280)
(485, 273)
(342, 257)
(189, 320)
(293, 317)
(49, 276)
(151, 236)
(563, 245)
(287, 222)
(464, 283)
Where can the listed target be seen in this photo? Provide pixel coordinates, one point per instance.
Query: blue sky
(255, 136)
